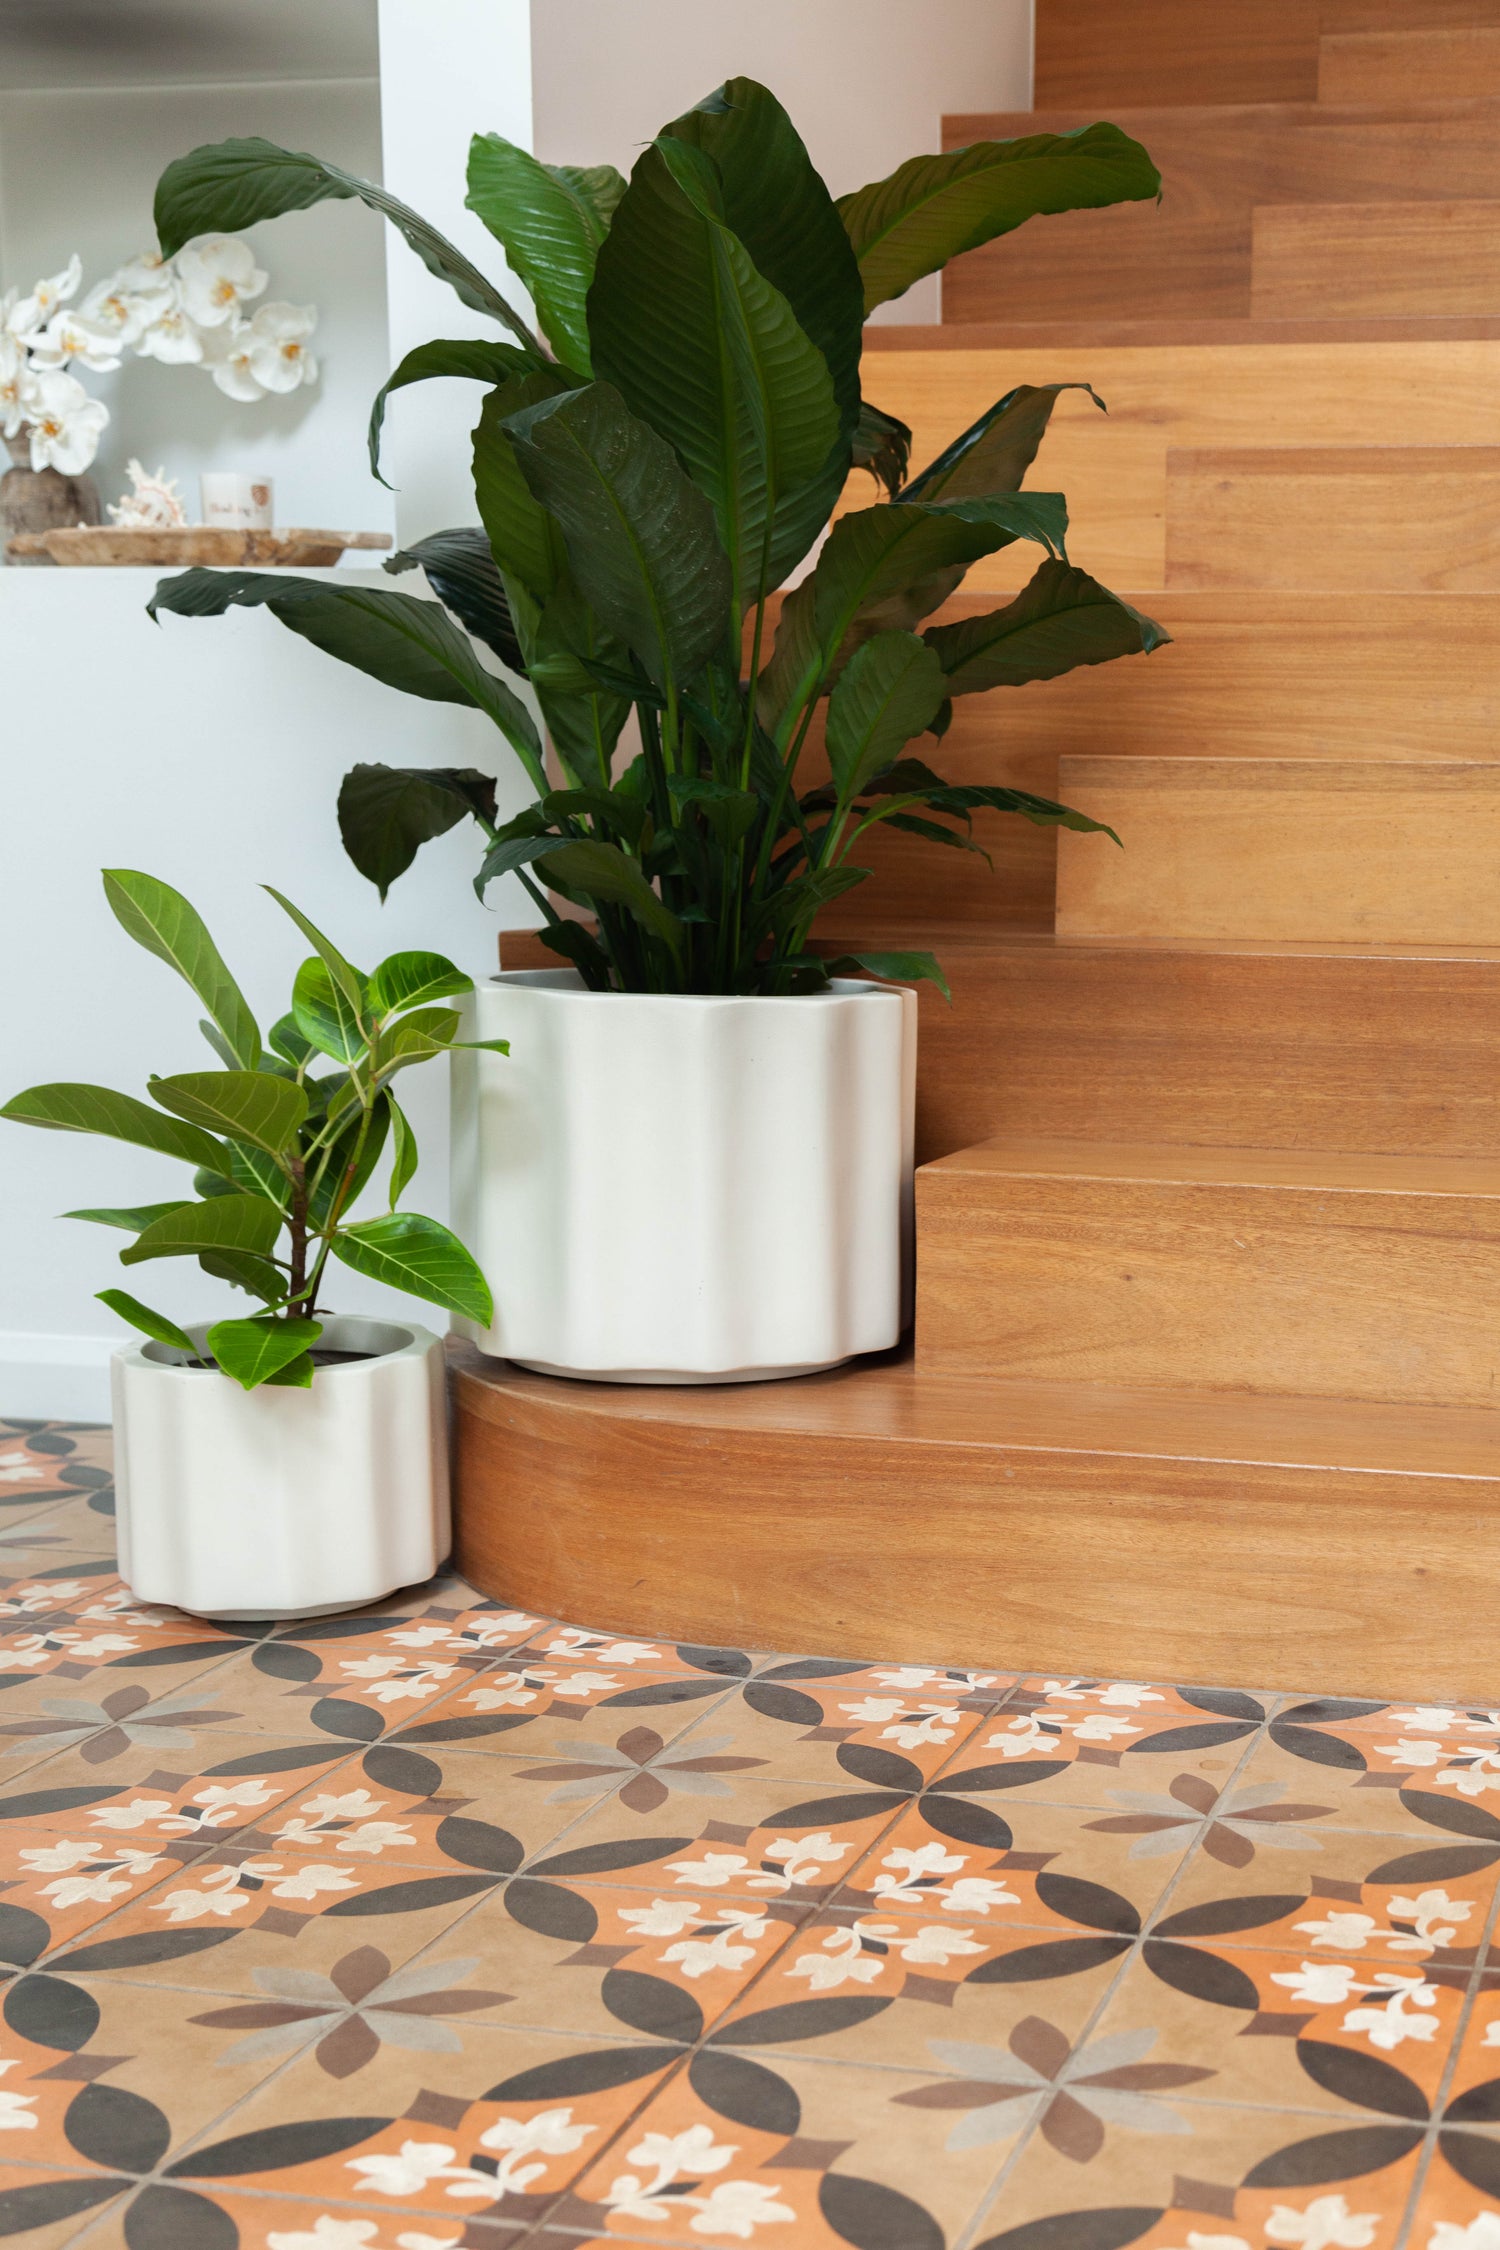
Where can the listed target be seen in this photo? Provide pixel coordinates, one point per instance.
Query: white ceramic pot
(280, 1502)
(664, 1188)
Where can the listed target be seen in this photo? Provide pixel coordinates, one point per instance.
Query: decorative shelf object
(97, 546)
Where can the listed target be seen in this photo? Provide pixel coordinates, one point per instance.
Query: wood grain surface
(1285, 848)
(1285, 1272)
(1426, 65)
(1258, 1543)
(1410, 519)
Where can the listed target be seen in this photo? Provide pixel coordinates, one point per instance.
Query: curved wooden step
(1258, 1542)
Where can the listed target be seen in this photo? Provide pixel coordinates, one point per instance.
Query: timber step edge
(1103, 1532)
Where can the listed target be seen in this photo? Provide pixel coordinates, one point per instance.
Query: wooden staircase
(1206, 1365)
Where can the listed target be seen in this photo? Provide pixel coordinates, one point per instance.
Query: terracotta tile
(1432, 1748)
(116, 2076)
(825, 2153)
(490, 2124)
(74, 1584)
(543, 1710)
(48, 2208)
(1368, 1791)
(883, 1987)
(355, 1689)
(276, 2222)
(610, 1962)
(55, 1888)
(1076, 1745)
(1006, 1860)
(407, 1808)
(104, 1721)
(1195, 2182)
(762, 1841)
(1459, 2204)
(110, 1633)
(84, 1523)
(231, 1921)
(39, 1461)
(143, 1797)
(812, 1720)
(1367, 2040)
(1354, 1895)
(1474, 2092)
(576, 1645)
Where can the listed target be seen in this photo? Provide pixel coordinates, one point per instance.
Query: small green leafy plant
(646, 478)
(281, 1146)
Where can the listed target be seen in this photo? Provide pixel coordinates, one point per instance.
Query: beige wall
(867, 81)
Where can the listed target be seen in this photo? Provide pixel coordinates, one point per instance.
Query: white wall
(866, 81)
(78, 167)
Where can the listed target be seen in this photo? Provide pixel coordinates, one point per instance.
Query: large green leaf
(224, 1222)
(743, 395)
(526, 543)
(551, 219)
(639, 533)
(1062, 619)
(460, 568)
(885, 569)
(595, 870)
(882, 444)
(70, 1108)
(415, 1038)
(408, 1252)
(403, 1149)
(153, 1324)
(397, 639)
(478, 358)
(324, 1014)
(343, 972)
(387, 812)
(584, 720)
(254, 1350)
(247, 1105)
(889, 691)
(161, 920)
(895, 968)
(994, 453)
(778, 205)
(130, 1217)
(410, 980)
(226, 186)
(932, 208)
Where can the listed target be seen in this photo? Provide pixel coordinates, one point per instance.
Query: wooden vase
(40, 500)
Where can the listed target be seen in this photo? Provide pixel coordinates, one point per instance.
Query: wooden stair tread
(1088, 332)
(888, 1399)
(1433, 63)
(1374, 259)
(1193, 395)
(1328, 1172)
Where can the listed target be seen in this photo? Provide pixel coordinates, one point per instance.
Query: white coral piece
(153, 503)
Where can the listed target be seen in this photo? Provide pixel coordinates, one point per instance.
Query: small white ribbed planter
(279, 1502)
(665, 1188)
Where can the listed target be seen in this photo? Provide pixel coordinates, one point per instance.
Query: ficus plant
(281, 1145)
(648, 472)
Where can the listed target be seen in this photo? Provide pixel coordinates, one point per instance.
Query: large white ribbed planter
(663, 1188)
(280, 1502)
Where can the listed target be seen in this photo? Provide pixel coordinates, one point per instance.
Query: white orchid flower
(226, 355)
(74, 335)
(279, 357)
(173, 338)
(216, 274)
(65, 422)
(33, 312)
(126, 307)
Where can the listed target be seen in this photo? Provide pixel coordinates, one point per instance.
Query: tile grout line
(965, 2235)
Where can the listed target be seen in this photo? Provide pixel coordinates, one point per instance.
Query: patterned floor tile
(830, 1722)
(570, 1714)
(47, 2207)
(83, 1524)
(612, 1652)
(1342, 1894)
(446, 2121)
(1452, 2213)
(1364, 1790)
(1118, 2161)
(891, 1988)
(827, 2154)
(139, 1796)
(1005, 1860)
(602, 1960)
(160, 2220)
(407, 1808)
(52, 1461)
(1292, 2030)
(56, 1888)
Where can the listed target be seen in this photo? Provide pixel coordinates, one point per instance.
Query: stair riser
(1342, 854)
(1082, 1563)
(1213, 1287)
(1426, 64)
(1166, 397)
(1229, 1050)
(1418, 519)
(1366, 261)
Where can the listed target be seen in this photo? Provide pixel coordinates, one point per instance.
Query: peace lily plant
(649, 470)
(282, 1146)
